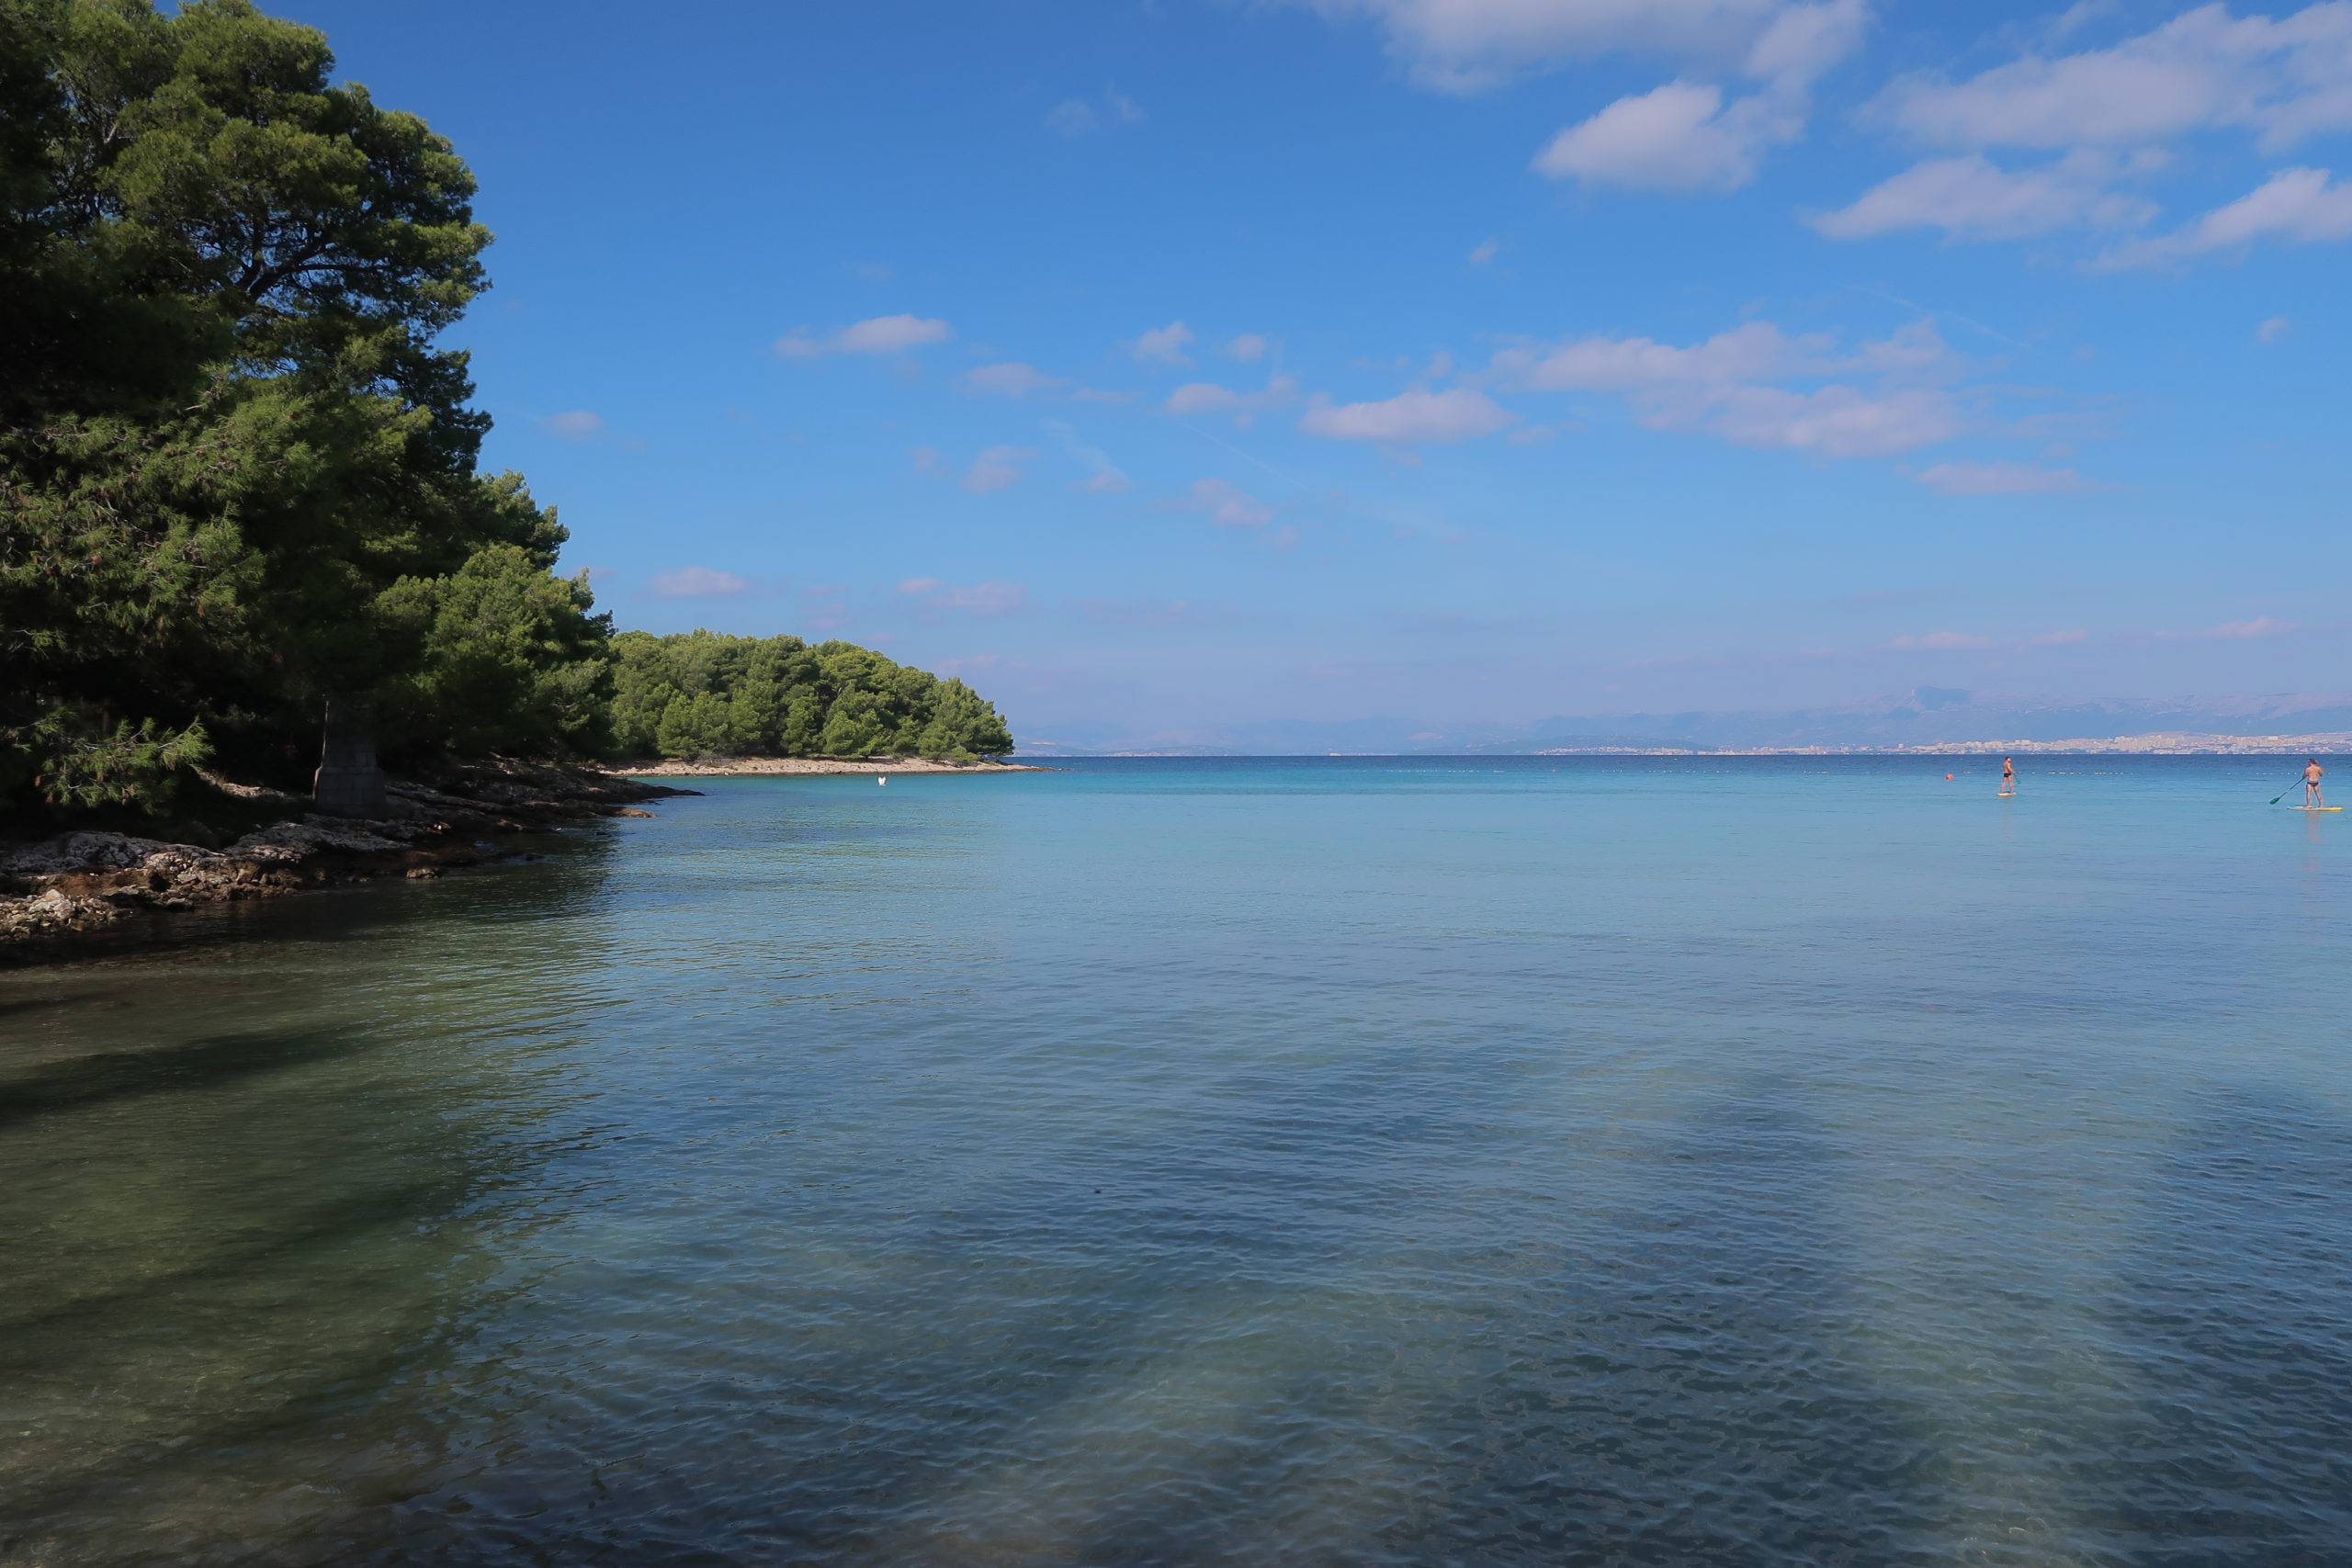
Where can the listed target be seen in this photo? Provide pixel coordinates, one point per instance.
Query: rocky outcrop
(64, 894)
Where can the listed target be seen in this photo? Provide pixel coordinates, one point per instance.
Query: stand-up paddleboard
(2315, 809)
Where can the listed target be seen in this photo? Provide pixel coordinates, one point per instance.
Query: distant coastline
(2164, 744)
(2169, 744)
(1925, 721)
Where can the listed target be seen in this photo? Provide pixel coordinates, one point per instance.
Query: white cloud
(2272, 330)
(2113, 112)
(577, 425)
(697, 582)
(1468, 45)
(1164, 344)
(1249, 348)
(2282, 79)
(2305, 205)
(1680, 137)
(1227, 505)
(1410, 418)
(877, 334)
(1012, 379)
(1972, 198)
(999, 467)
(2001, 479)
(1734, 386)
(1485, 251)
(1207, 397)
(976, 599)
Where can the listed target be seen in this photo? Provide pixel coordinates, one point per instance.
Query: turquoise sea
(1348, 1161)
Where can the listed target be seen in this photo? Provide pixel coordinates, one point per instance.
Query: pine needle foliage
(704, 694)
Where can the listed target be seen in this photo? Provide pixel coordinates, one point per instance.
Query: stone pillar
(349, 783)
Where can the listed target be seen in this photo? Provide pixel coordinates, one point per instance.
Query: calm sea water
(1364, 1161)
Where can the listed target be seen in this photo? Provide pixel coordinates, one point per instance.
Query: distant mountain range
(1926, 716)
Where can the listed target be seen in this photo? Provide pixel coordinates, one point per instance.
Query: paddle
(2284, 792)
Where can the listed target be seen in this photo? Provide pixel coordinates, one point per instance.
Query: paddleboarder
(2009, 775)
(2312, 771)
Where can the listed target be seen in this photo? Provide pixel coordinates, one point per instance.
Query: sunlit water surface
(1361, 1161)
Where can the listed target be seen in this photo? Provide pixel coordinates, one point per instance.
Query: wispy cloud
(1467, 46)
(2281, 80)
(1074, 118)
(1963, 642)
(1012, 379)
(1152, 612)
(998, 468)
(1104, 475)
(2233, 631)
(1970, 198)
(974, 599)
(2301, 205)
(1208, 397)
(1758, 386)
(876, 334)
(577, 425)
(697, 582)
(1227, 503)
(2002, 479)
(1414, 417)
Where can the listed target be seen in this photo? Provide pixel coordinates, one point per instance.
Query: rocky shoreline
(746, 767)
(67, 895)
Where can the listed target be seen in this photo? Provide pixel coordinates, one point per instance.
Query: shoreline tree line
(239, 473)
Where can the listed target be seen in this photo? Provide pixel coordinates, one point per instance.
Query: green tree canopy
(238, 470)
(705, 693)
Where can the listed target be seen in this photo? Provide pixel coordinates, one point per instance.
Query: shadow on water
(188, 1065)
(1647, 1356)
(1686, 1381)
(251, 1267)
(2233, 1330)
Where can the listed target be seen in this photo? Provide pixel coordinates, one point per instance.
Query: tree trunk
(349, 783)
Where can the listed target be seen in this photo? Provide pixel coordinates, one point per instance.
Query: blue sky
(1189, 363)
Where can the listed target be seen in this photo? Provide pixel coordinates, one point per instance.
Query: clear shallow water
(1749, 1162)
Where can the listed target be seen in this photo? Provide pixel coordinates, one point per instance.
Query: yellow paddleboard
(2315, 809)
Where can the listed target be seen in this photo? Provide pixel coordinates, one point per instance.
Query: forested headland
(703, 694)
(239, 470)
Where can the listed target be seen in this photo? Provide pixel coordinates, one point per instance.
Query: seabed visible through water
(1412, 1161)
